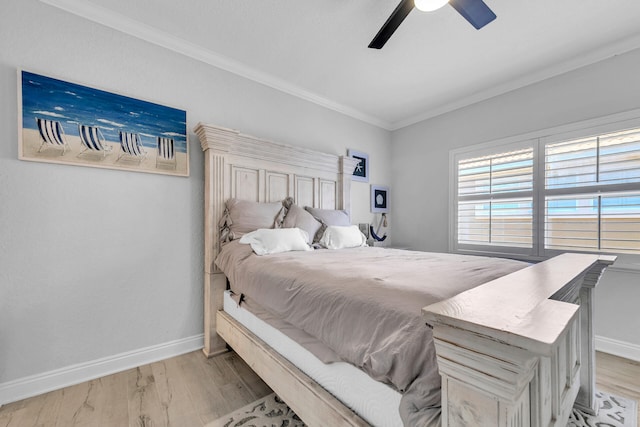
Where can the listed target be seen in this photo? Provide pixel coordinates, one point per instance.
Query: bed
(525, 364)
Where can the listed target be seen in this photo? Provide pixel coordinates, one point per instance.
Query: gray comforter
(365, 305)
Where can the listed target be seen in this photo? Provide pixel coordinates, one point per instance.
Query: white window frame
(538, 139)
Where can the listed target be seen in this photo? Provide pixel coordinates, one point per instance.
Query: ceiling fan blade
(475, 11)
(392, 24)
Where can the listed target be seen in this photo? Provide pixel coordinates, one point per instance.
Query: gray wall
(604, 88)
(94, 262)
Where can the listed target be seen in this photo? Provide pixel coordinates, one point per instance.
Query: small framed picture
(361, 171)
(379, 199)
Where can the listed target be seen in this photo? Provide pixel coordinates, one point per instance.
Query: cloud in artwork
(50, 114)
(112, 123)
(172, 134)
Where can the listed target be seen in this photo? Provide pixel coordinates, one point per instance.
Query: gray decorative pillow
(300, 218)
(242, 216)
(328, 217)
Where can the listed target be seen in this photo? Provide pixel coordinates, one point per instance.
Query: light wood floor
(618, 376)
(184, 391)
(190, 391)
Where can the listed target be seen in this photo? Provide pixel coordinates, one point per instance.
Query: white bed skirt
(374, 401)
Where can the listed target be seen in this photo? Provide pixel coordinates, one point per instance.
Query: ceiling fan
(475, 11)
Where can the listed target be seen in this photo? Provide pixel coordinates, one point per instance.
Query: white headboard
(250, 168)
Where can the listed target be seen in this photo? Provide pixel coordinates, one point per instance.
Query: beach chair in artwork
(51, 134)
(92, 140)
(131, 145)
(166, 152)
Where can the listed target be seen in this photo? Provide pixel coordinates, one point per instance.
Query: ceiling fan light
(429, 5)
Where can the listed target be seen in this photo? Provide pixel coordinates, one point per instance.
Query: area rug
(613, 411)
(271, 411)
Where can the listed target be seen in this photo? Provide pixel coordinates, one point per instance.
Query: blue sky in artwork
(72, 104)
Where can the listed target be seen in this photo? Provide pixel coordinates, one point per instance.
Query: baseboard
(34, 385)
(618, 348)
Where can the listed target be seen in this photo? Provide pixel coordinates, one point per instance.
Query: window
(592, 193)
(495, 199)
(548, 195)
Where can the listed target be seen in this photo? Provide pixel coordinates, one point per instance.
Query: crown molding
(163, 39)
(140, 30)
(613, 49)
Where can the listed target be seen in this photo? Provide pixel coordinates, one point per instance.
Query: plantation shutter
(495, 199)
(592, 198)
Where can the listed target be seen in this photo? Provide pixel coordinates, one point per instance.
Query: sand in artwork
(31, 142)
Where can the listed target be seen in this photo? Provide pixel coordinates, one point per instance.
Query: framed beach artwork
(361, 171)
(68, 123)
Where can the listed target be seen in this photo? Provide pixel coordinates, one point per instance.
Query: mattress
(374, 401)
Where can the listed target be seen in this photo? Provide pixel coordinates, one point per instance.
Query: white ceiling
(434, 63)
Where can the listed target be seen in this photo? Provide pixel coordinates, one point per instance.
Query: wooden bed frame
(525, 364)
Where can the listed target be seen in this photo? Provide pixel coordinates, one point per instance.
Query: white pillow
(265, 241)
(338, 237)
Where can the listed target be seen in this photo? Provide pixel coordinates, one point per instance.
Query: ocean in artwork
(72, 104)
